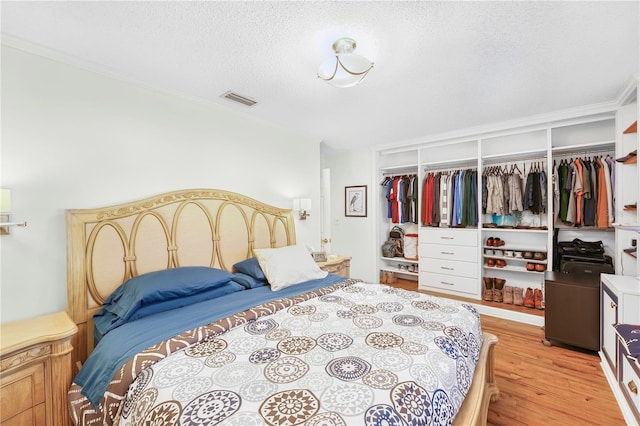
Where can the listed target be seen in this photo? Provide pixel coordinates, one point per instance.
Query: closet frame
(592, 129)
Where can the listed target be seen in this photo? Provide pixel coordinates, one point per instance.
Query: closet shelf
(457, 163)
(399, 259)
(632, 129)
(587, 228)
(627, 227)
(409, 167)
(584, 147)
(519, 156)
(399, 271)
(512, 269)
(498, 229)
(517, 259)
(511, 247)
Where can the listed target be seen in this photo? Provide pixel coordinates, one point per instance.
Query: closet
(448, 251)
(457, 256)
(394, 165)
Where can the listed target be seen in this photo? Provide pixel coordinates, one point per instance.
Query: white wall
(75, 139)
(353, 236)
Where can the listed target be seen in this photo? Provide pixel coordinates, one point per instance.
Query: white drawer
(449, 252)
(449, 267)
(630, 381)
(430, 280)
(457, 237)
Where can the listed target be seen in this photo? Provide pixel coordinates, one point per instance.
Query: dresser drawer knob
(446, 238)
(632, 387)
(447, 252)
(446, 283)
(446, 268)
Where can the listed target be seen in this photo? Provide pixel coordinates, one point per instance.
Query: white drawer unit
(450, 267)
(449, 261)
(449, 252)
(448, 283)
(449, 236)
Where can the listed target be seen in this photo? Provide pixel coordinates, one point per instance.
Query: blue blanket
(122, 343)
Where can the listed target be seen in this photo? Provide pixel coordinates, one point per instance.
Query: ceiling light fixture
(347, 69)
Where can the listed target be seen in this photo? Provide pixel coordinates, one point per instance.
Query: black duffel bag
(578, 247)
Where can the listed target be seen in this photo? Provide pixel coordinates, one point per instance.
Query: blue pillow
(163, 285)
(251, 267)
(248, 281)
(106, 321)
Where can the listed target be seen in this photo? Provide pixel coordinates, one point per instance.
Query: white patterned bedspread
(363, 354)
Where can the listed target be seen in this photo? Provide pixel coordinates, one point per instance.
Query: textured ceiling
(439, 66)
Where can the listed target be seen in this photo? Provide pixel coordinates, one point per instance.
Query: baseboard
(615, 388)
(509, 314)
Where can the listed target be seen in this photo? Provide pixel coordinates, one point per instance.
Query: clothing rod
(399, 174)
(583, 153)
(515, 161)
(449, 169)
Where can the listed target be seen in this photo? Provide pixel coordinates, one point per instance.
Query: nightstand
(36, 370)
(336, 264)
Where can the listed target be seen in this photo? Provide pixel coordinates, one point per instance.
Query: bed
(198, 307)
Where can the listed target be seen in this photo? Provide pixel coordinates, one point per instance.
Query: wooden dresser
(36, 370)
(339, 265)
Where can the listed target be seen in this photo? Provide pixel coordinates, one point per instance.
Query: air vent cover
(232, 96)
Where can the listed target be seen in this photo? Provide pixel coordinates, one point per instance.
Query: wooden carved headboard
(196, 227)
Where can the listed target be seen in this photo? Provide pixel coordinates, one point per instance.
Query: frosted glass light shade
(302, 204)
(347, 69)
(5, 201)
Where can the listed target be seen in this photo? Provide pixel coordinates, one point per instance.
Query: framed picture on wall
(355, 201)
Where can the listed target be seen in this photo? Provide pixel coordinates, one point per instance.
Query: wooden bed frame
(205, 227)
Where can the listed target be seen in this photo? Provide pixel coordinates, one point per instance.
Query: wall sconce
(5, 212)
(303, 206)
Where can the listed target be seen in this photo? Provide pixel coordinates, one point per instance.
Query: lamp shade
(5, 201)
(346, 69)
(302, 204)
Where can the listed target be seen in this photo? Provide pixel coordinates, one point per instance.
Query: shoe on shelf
(508, 294)
(488, 289)
(498, 285)
(383, 277)
(497, 242)
(541, 267)
(538, 299)
(501, 263)
(528, 298)
(391, 277)
(539, 255)
(531, 266)
(517, 296)
(491, 262)
(628, 156)
(490, 241)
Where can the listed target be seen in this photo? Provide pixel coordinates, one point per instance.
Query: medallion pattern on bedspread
(341, 358)
(372, 374)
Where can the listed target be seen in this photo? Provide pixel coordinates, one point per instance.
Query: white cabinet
(620, 303)
(449, 261)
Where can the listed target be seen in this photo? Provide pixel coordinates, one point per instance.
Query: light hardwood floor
(541, 385)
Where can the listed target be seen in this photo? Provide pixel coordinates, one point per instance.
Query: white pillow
(289, 265)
